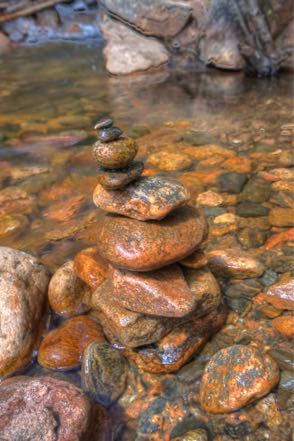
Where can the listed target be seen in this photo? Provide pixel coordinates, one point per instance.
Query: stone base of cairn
(159, 304)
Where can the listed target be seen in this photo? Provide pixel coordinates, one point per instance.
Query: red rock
(90, 267)
(195, 260)
(279, 239)
(45, 408)
(281, 293)
(284, 325)
(146, 199)
(144, 246)
(234, 263)
(63, 347)
(65, 210)
(14, 200)
(68, 295)
(236, 376)
(177, 347)
(163, 292)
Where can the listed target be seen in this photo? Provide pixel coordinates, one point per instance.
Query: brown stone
(63, 347)
(11, 225)
(44, 408)
(209, 199)
(68, 295)
(177, 347)
(236, 376)
(23, 287)
(282, 217)
(234, 263)
(129, 328)
(115, 154)
(65, 210)
(163, 292)
(90, 267)
(118, 179)
(195, 260)
(14, 200)
(144, 246)
(148, 198)
(284, 325)
(279, 239)
(281, 293)
(171, 161)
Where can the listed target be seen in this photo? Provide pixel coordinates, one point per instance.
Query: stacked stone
(151, 297)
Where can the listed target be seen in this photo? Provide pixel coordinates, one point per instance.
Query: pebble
(251, 238)
(68, 295)
(251, 209)
(23, 287)
(12, 225)
(195, 260)
(14, 200)
(281, 293)
(45, 408)
(163, 292)
(129, 328)
(282, 217)
(103, 123)
(90, 267)
(236, 376)
(225, 218)
(65, 210)
(110, 134)
(144, 246)
(104, 373)
(63, 347)
(234, 262)
(170, 161)
(231, 182)
(147, 198)
(115, 155)
(193, 435)
(283, 358)
(209, 199)
(284, 325)
(118, 179)
(176, 348)
(256, 190)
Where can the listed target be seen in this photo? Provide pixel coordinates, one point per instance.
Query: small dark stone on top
(110, 134)
(231, 182)
(103, 123)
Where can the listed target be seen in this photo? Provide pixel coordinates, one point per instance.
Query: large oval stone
(144, 246)
(150, 197)
(163, 292)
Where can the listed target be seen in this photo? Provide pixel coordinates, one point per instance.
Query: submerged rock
(236, 376)
(281, 293)
(144, 246)
(148, 198)
(90, 267)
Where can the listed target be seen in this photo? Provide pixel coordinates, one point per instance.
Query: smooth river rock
(163, 292)
(119, 178)
(281, 293)
(236, 376)
(23, 288)
(90, 267)
(148, 198)
(144, 246)
(44, 408)
(116, 154)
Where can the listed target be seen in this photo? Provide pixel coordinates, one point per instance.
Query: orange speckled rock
(147, 198)
(115, 154)
(62, 348)
(67, 294)
(163, 292)
(177, 347)
(281, 293)
(90, 267)
(234, 263)
(144, 246)
(236, 376)
(284, 325)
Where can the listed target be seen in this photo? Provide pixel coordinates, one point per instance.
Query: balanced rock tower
(155, 306)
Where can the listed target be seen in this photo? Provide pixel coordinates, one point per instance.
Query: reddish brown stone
(14, 200)
(234, 263)
(63, 347)
(45, 408)
(120, 324)
(195, 260)
(117, 179)
(281, 293)
(65, 210)
(90, 267)
(68, 295)
(144, 246)
(284, 325)
(115, 154)
(236, 376)
(282, 217)
(279, 239)
(177, 347)
(146, 199)
(163, 292)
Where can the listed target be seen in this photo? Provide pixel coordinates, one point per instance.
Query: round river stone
(115, 154)
(144, 246)
(117, 179)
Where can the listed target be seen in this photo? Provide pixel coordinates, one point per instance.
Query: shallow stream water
(50, 98)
